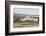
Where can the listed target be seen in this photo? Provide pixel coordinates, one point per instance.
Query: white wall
(2, 22)
(2, 18)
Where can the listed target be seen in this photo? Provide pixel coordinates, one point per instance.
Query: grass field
(25, 25)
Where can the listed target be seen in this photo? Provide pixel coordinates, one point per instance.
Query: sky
(29, 11)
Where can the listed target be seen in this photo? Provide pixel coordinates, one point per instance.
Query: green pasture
(25, 25)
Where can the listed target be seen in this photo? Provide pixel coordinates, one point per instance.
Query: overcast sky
(32, 11)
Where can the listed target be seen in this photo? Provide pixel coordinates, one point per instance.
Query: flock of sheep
(30, 19)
